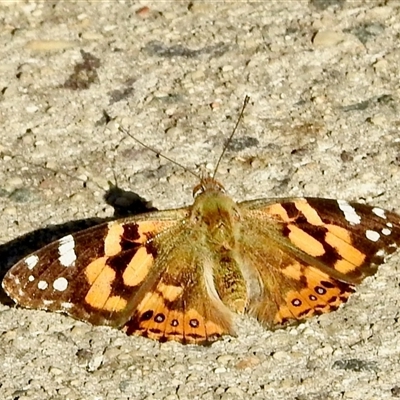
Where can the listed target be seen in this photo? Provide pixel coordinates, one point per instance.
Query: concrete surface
(323, 121)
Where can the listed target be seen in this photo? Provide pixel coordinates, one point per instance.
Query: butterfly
(183, 274)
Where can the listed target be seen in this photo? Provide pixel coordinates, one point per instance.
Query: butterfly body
(183, 274)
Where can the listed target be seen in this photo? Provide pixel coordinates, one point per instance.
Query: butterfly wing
(306, 255)
(142, 276)
(88, 275)
(181, 304)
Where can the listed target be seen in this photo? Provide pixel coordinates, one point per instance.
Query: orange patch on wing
(194, 326)
(145, 230)
(344, 266)
(100, 277)
(340, 232)
(115, 303)
(320, 303)
(156, 325)
(212, 329)
(138, 268)
(293, 271)
(306, 302)
(277, 209)
(169, 292)
(315, 276)
(94, 269)
(148, 229)
(333, 295)
(174, 325)
(309, 212)
(188, 327)
(151, 301)
(283, 314)
(303, 306)
(112, 242)
(305, 242)
(346, 250)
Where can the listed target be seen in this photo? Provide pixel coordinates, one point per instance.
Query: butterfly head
(208, 184)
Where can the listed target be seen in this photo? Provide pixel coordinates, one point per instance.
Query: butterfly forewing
(91, 275)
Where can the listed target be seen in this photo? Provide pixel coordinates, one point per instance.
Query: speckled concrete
(323, 121)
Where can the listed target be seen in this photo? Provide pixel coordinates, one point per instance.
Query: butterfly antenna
(228, 141)
(159, 154)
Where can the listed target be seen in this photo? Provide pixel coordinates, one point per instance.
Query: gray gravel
(323, 121)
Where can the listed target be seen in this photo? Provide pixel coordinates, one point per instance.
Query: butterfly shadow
(125, 204)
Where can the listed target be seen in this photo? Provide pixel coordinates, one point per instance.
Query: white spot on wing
(42, 285)
(379, 212)
(66, 249)
(381, 253)
(31, 261)
(48, 302)
(349, 212)
(389, 224)
(31, 278)
(386, 231)
(66, 305)
(372, 235)
(60, 284)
